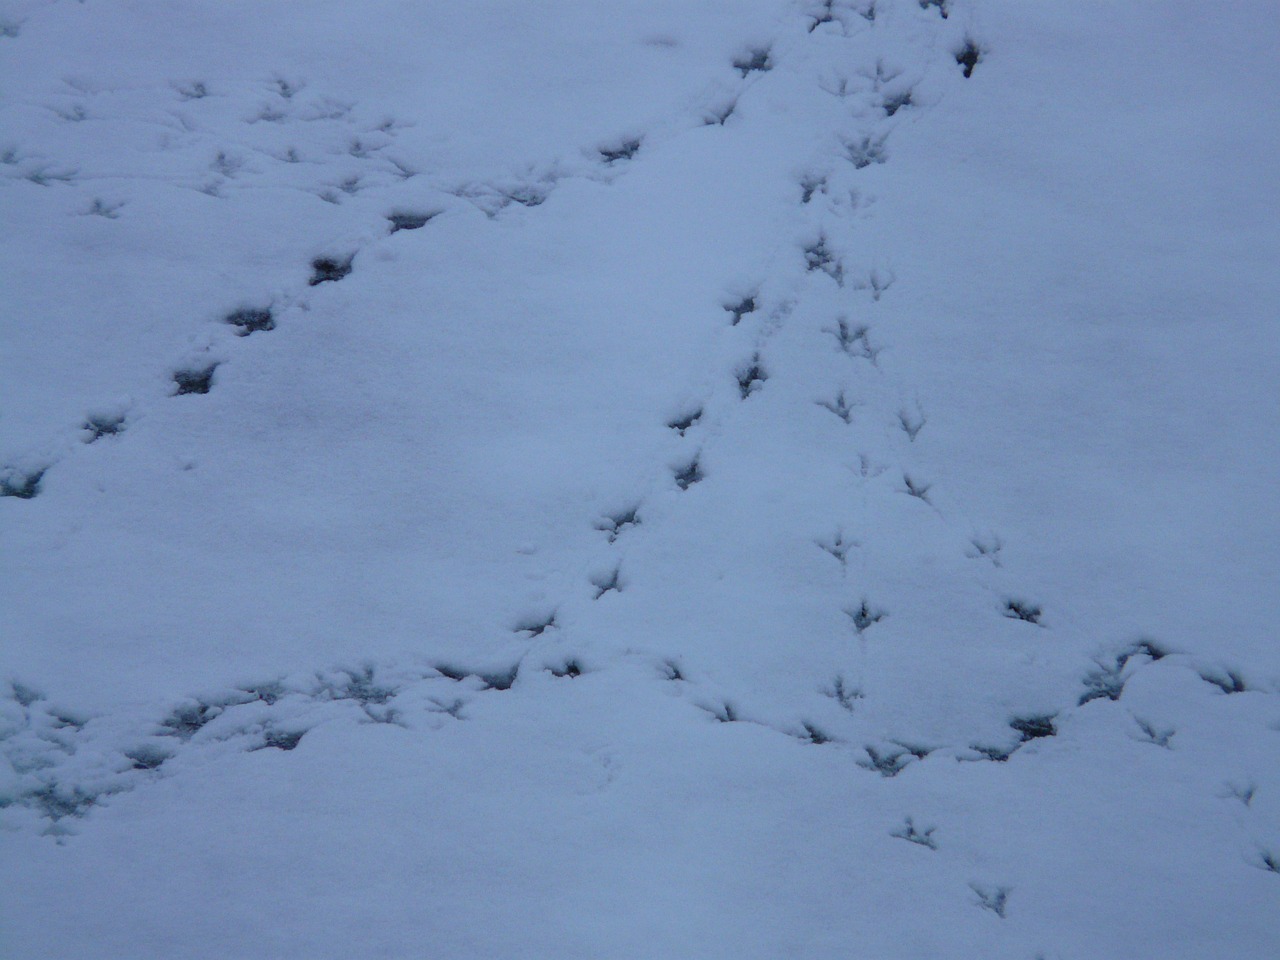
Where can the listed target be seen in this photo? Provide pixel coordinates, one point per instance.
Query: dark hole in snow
(690, 475)
(410, 221)
(996, 900)
(809, 186)
(725, 713)
(741, 308)
(681, 424)
(604, 584)
(251, 320)
(1107, 682)
(328, 268)
(186, 721)
(756, 60)
(194, 381)
(1033, 728)
(616, 523)
(909, 832)
(968, 57)
(281, 741)
(817, 256)
(500, 681)
(527, 196)
(915, 749)
(1228, 681)
(1144, 648)
(147, 757)
(751, 379)
(24, 486)
(571, 669)
(624, 151)
(361, 686)
(942, 6)
(864, 616)
(719, 116)
(103, 426)
(893, 104)
(535, 627)
(997, 754)
(268, 693)
(885, 764)
(863, 153)
(814, 735)
(1018, 610)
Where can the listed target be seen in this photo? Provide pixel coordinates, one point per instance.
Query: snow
(757, 491)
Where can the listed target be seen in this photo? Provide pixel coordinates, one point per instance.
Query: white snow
(757, 492)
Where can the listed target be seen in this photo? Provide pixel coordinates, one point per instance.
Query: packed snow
(591, 479)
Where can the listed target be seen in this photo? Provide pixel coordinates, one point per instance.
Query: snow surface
(756, 492)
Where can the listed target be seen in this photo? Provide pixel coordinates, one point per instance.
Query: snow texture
(591, 479)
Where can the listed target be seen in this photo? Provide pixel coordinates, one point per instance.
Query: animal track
(865, 152)
(824, 15)
(752, 378)
(838, 547)
(968, 57)
(571, 669)
(503, 680)
(687, 476)
(194, 380)
(909, 832)
(809, 185)
(24, 486)
(626, 150)
(877, 283)
(717, 116)
(755, 61)
(839, 406)
(818, 257)
(892, 104)
(1228, 681)
(1035, 727)
(98, 426)
(854, 340)
(987, 547)
(1020, 610)
(536, 626)
(1150, 734)
(608, 582)
(844, 695)
(920, 491)
(682, 424)
(410, 221)
(864, 617)
(813, 735)
(278, 740)
(741, 308)
(329, 269)
(250, 320)
(911, 423)
(995, 899)
(614, 524)
(101, 208)
(887, 764)
(723, 712)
